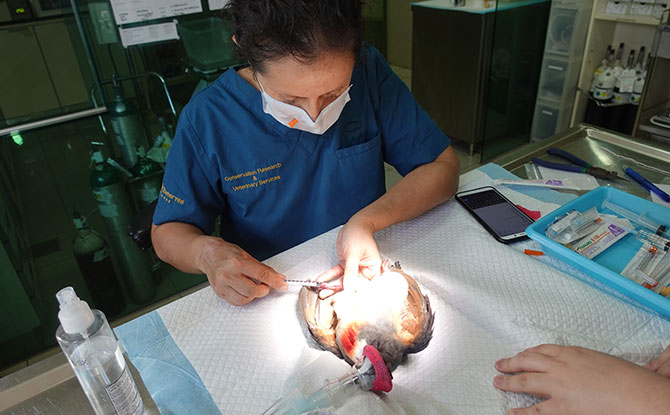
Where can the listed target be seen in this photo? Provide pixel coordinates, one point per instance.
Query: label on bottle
(105, 203)
(149, 194)
(615, 7)
(643, 9)
(79, 223)
(124, 394)
(100, 255)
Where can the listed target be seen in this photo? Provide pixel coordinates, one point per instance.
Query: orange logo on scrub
(293, 122)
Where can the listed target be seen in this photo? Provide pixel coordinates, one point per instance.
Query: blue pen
(647, 184)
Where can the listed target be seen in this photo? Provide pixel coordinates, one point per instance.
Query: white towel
(490, 301)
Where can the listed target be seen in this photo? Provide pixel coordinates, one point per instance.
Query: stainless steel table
(50, 387)
(597, 146)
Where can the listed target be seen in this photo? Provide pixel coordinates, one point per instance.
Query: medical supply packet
(573, 226)
(557, 184)
(607, 233)
(643, 267)
(608, 264)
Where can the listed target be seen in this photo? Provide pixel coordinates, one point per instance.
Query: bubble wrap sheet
(490, 301)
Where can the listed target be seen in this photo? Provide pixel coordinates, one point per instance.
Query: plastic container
(607, 266)
(616, 8)
(549, 118)
(96, 358)
(558, 79)
(659, 9)
(641, 9)
(566, 30)
(208, 43)
(572, 4)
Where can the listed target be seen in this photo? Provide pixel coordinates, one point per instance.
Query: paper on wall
(149, 33)
(217, 4)
(132, 11)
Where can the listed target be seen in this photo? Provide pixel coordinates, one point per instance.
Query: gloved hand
(357, 251)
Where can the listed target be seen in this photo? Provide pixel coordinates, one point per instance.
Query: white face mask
(295, 117)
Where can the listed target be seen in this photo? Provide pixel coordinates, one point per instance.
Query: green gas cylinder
(127, 126)
(92, 255)
(115, 208)
(146, 181)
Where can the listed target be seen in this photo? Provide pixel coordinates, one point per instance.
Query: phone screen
(497, 213)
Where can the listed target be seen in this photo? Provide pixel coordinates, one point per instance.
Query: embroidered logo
(256, 176)
(169, 197)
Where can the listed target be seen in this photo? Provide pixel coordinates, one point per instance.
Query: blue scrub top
(275, 186)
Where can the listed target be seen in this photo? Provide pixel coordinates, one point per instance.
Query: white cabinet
(612, 23)
(561, 63)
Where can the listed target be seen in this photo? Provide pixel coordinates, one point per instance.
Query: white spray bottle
(95, 355)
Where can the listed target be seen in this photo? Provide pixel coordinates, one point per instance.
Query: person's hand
(357, 251)
(581, 381)
(332, 276)
(234, 275)
(661, 364)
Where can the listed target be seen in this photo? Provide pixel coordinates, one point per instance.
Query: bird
(388, 312)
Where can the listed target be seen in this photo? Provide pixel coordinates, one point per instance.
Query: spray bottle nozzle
(66, 297)
(75, 315)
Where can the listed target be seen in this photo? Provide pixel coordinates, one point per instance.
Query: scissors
(580, 167)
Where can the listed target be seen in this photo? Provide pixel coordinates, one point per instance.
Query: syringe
(654, 240)
(642, 273)
(640, 219)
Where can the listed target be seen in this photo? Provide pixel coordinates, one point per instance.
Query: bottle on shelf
(617, 67)
(625, 81)
(604, 78)
(639, 64)
(92, 254)
(638, 85)
(605, 85)
(605, 64)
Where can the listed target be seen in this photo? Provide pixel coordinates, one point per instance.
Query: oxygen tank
(146, 181)
(92, 255)
(127, 126)
(115, 208)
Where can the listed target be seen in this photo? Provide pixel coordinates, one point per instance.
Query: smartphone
(506, 222)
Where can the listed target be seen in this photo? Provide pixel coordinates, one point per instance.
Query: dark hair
(266, 30)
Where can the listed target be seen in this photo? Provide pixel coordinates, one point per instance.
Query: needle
(325, 285)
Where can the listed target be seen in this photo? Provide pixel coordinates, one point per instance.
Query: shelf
(650, 21)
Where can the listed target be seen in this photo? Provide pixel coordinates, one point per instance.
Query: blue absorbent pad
(606, 266)
(172, 381)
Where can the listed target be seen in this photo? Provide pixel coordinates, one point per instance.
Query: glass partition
(71, 187)
(475, 70)
(518, 39)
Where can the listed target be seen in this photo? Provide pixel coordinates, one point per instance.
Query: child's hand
(661, 364)
(581, 381)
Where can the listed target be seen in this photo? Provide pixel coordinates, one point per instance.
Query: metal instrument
(578, 165)
(335, 285)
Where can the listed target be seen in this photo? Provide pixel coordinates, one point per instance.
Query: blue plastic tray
(607, 266)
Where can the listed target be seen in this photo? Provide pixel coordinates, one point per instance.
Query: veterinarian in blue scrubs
(293, 145)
